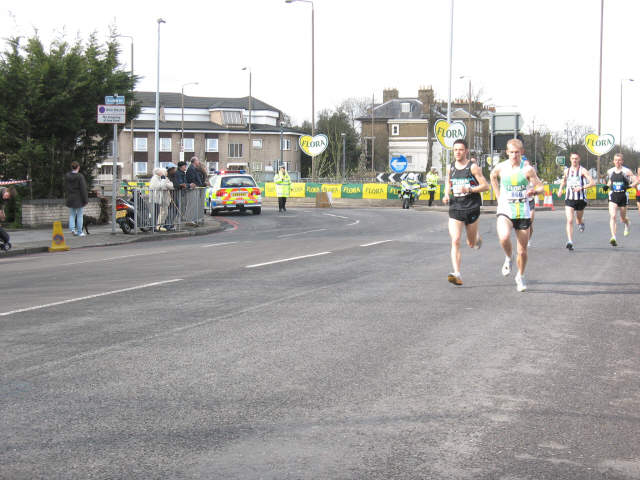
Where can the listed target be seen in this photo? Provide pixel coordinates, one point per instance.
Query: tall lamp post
(313, 79)
(469, 112)
(182, 119)
(450, 73)
(156, 157)
(250, 144)
(132, 102)
(344, 154)
(621, 82)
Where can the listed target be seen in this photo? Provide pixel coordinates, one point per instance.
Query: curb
(121, 240)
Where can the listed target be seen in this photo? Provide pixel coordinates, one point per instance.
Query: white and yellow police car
(232, 190)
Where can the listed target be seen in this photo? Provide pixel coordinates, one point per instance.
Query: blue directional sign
(112, 100)
(398, 164)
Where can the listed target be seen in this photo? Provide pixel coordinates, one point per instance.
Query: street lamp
(621, 82)
(469, 112)
(344, 163)
(250, 144)
(156, 160)
(132, 102)
(182, 119)
(313, 76)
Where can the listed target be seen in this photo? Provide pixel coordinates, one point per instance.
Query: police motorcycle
(409, 191)
(125, 213)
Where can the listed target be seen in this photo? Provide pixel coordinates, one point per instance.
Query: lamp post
(344, 155)
(182, 119)
(600, 84)
(313, 77)
(450, 73)
(281, 161)
(132, 102)
(156, 158)
(621, 82)
(469, 112)
(250, 144)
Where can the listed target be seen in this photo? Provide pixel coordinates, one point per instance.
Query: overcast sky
(539, 56)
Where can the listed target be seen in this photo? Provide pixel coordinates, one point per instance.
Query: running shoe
(613, 242)
(521, 286)
(581, 227)
(454, 278)
(569, 246)
(627, 229)
(506, 267)
(529, 244)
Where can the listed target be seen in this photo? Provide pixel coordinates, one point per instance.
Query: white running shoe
(478, 244)
(506, 267)
(627, 229)
(521, 286)
(581, 227)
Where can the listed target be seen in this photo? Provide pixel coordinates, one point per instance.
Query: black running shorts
(578, 205)
(619, 198)
(518, 223)
(466, 216)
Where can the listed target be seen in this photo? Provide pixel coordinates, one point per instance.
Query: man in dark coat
(6, 194)
(194, 174)
(77, 198)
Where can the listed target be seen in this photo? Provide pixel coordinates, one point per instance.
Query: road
(324, 344)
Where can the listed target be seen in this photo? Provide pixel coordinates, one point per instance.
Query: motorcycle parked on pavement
(125, 215)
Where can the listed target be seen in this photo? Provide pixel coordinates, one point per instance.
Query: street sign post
(560, 160)
(114, 112)
(398, 163)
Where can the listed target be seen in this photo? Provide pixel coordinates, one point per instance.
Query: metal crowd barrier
(166, 210)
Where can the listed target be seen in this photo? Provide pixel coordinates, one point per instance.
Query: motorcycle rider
(410, 184)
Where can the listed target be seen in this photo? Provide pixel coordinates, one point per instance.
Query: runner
(637, 192)
(513, 187)
(577, 180)
(465, 181)
(620, 179)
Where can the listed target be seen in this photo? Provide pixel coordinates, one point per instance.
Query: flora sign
(447, 133)
(599, 145)
(313, 146)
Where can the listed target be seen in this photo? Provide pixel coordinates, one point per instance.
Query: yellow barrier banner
(298, 190)
(269, 189)
(592, 193)
(632, 193)
(374, 191)
(334, 188)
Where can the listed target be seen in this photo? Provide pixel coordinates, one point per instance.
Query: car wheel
(257, 210)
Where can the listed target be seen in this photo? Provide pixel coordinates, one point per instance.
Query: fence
(162, 210)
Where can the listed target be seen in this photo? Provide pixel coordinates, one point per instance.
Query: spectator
(77, 198)
(194, 174)
(172, 171)
(6, 194)
(159, 187)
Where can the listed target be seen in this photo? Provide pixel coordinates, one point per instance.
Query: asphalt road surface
(324, 344)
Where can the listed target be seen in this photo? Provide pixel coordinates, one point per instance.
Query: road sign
(113, 100)
(398, 164)
(560, 160)
(112, 113)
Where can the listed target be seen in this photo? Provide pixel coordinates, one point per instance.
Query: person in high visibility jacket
(432, 183)
(283, 188)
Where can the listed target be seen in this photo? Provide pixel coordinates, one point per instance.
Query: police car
(232, 190)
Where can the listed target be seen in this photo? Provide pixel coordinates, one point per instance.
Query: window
(188, 144)
(212, 167)
(405, 107)
(165, 144)
(257, 143)
(235, 150)
(228, 182)
(141, 167)
(256, 166)
(164, 164)
(286, 144)
(140, 144)
(212, 144)
(395, 129)
(230, 117)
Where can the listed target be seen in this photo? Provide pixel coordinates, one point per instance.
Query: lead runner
(514, 186)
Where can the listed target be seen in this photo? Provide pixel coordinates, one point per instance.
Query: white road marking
(287, 259)
(88, 297)
(354, 223)
(375, 243)
(116, 258)
(337, 216)
(301, 233)
(218, 244)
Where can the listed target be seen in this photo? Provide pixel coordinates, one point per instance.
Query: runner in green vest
(283, 188)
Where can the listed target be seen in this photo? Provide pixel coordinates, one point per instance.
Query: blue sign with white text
(398, 164)
(113, 100)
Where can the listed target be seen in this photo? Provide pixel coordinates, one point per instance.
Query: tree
(48, 108)
(333, 125)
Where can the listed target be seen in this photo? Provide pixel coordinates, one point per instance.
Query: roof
(392, 109)
(174, 100)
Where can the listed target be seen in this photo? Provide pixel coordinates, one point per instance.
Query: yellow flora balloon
(599, 145)
(313, 146)
(447, 133)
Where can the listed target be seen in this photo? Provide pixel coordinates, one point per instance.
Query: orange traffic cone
(57, 239)
(548, 200)
(537, 200)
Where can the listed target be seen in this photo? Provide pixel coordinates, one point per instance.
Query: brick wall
(42, 213)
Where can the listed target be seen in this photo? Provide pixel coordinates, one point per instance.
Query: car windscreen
(234, 182)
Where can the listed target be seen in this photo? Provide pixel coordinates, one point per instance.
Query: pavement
(37, 240)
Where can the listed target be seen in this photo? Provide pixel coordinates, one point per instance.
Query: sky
(540, 58)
